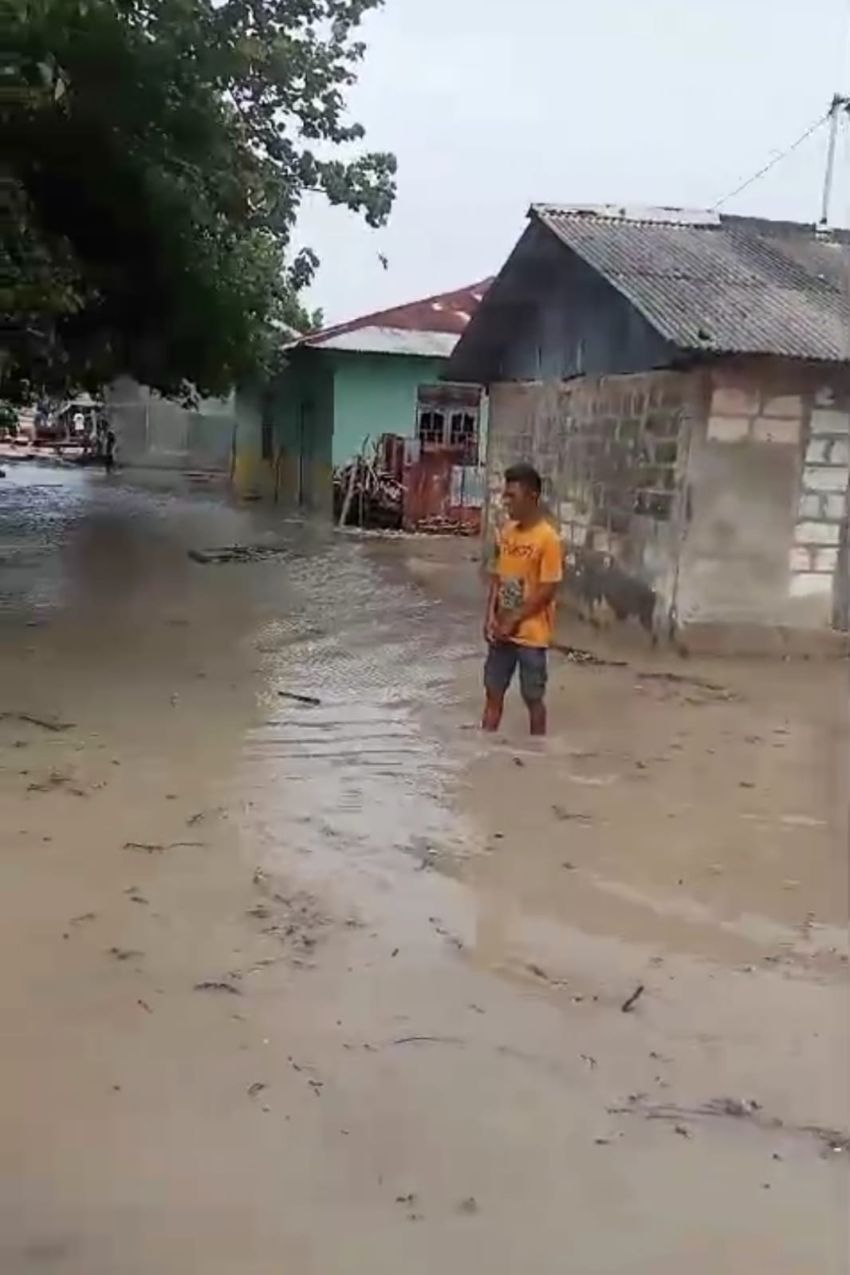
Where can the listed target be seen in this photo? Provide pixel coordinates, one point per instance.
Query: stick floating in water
(300, 699)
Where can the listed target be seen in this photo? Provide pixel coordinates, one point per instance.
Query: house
(682, 381)
(379, 374)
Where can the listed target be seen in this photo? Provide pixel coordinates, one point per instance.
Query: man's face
(518, 500)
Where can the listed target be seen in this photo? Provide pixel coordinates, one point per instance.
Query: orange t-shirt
(525, 558)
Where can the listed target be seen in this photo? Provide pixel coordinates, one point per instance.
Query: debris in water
(832, 1140)
(53, 781)
(576, 655)
(560, 813)
(628, 1005)
(311, 700)
(738, 1107)
(257, 1087)
(238, 553)
(261, 911)
(159, 847)
(428, 1040)
(46, 723)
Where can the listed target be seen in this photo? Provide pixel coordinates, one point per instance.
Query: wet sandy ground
(338, 987)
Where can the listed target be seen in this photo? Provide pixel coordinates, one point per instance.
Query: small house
(348, 385)
(682, 381)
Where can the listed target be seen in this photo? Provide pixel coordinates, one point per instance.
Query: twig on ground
(46, 723)
(311, 700)
(628, 1005)
(576, 655)
(428, 1040)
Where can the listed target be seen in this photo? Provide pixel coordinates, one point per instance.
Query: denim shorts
(500, 665)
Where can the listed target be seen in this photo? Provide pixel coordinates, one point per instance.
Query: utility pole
(839, 105)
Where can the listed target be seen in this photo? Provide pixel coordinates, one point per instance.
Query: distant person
(520, 620)
(108, 452)
(100, 429)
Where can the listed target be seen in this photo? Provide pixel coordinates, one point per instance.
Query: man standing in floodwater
(520, 622)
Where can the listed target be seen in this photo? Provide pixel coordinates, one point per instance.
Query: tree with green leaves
(154, 157)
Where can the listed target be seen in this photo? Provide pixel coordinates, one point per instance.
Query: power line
(776, 160)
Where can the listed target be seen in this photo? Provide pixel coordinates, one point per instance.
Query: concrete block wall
(767, 491)
(724, 490)
(820, 533)
(612, 453)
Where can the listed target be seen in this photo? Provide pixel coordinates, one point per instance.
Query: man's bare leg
(493, 708)
(537, 717)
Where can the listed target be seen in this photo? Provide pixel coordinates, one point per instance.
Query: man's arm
(490, 614)
(538, 600)
(490, 620)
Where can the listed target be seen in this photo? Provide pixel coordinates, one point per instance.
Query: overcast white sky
(490, 105)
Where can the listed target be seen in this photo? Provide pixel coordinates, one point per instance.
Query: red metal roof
(445, 312)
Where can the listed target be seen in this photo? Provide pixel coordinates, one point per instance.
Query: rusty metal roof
(446, 313)
(719, 284)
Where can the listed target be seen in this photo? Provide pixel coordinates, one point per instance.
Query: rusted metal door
(440, 492)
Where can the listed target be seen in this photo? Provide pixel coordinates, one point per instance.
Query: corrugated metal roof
(382, 340)
(720, 284)
(446, 312)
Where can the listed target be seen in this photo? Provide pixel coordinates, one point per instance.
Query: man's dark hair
(526, 476)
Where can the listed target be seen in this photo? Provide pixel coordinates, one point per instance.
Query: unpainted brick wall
(611, 452)
(767, 499)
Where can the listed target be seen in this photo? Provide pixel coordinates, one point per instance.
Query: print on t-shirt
(511, 593)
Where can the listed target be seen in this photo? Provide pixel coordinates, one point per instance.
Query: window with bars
(463, 433)
(432, 427)
(442, 428)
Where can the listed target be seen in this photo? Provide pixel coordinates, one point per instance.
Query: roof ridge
(372, 319)
(633, 214)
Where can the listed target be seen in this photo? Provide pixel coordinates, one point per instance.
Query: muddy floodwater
(301, 974)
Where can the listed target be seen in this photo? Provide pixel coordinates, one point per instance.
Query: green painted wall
(375, 394)
(301, 409)
(321, 407)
